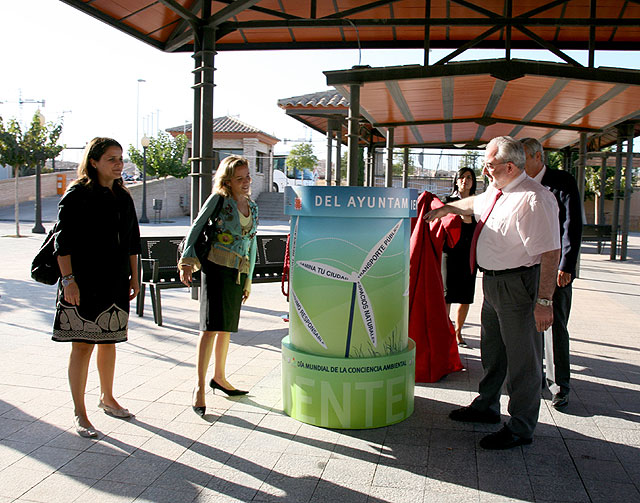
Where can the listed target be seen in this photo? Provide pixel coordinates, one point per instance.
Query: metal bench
(158, 267)
(596, 233)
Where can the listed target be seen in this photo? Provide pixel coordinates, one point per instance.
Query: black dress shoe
(503, 439)
(230, 392)
(472, 415)
(201, 411)
(560, 400)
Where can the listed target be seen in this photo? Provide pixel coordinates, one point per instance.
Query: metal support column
(339, 157)
(38, 228)
(206, 110)
(603, 189)
(329, 152)
(195, 130)
(353, 135)
(628, 175)
(270, 181)
(616, 198)
(405, 167)
(388, 175)
(582, 161)
(371, 152)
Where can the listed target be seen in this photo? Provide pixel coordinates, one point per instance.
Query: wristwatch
(544, 302)
(67, 280)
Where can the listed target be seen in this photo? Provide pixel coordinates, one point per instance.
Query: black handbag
(205, 238)
(44, 268)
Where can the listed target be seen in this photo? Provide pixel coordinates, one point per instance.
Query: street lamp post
(138, 110)
(143, 214)
(38, 228)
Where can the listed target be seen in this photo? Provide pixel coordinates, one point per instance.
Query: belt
(488, 272)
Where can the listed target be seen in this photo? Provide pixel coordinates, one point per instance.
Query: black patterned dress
(99, 229)
(459, 282)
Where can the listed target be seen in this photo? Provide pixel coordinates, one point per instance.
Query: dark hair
(462, 171)
(95, 149)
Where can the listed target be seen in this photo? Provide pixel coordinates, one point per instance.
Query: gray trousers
(558, 366)
(511, 348)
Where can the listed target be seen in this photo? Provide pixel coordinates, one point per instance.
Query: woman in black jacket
(97, 245)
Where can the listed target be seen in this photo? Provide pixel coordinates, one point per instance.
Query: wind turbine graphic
(358, 291)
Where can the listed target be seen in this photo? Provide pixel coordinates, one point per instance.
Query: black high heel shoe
(230, 392)
(201, 411)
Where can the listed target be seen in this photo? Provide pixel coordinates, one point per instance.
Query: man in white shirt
(518, 251)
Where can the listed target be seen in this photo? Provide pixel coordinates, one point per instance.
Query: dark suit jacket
(565, 188)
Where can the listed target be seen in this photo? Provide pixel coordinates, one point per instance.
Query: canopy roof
(312, 24)
(326, 110)
(466, 104)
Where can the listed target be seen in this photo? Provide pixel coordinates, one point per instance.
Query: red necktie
(478, 229)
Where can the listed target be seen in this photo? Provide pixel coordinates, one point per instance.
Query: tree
(471, 159)
(301, 157)
(165, 157)
(398, 163)
(28, 149)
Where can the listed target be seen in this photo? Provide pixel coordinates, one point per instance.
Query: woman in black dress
(459, 282)
(227, 270)
(97, 245)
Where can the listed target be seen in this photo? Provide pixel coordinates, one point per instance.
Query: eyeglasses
(489, 165)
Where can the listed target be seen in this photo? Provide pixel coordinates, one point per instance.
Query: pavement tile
(600, 491)
(560, 465)
(517, 487)
(59, 488)
(157, 494)
(247, 449)
(559, 488)
(395, 495)
(91, 465)
(295, 490)
(107, 491)
(328, 492)
(48, 459)
(16, 481)
(622, 436)
(138, 469)
(599, 469)
(439, 497)
(232, 485)
(181, 477)
(250, 460)
(401, 476)
(343, 471)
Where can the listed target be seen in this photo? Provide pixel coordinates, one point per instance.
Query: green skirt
(220, 298)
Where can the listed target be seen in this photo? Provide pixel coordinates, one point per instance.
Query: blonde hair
(225, 172)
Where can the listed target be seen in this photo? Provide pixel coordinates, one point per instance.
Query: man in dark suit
(564, 188)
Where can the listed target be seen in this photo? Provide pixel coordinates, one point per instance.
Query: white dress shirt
(522, 226)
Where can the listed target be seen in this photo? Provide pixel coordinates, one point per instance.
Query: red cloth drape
(429, 325)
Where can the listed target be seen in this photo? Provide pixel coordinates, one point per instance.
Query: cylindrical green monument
(348, 361)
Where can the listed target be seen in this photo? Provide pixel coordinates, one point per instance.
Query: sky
(87, 74)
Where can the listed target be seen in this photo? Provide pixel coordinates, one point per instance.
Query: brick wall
(175, 203)
(27, 187)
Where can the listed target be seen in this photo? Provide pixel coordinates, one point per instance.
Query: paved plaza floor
(247, 449)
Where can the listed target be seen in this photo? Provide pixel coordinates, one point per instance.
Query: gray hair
(532, 146)
(510, 150)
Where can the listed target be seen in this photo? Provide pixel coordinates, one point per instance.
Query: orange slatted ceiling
(155, 16)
